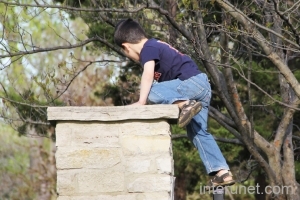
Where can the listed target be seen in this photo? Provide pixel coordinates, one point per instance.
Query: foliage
(249, 49)
(18, 179)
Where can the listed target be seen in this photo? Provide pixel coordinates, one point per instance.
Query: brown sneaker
(188, 111)
(218, 181)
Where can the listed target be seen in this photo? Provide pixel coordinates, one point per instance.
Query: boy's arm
(146, 82)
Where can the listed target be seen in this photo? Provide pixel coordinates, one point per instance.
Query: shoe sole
(212, 187)
(194, 111)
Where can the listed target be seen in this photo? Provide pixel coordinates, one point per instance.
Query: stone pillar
(114, 153)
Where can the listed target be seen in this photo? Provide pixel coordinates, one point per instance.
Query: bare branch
(292, 8)
(263, 91)
(74, 8)
(246, 22)
(287, 20)
(22, 103)
(39, 50)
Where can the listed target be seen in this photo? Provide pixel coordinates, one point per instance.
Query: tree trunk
(260, 180)
(180, 188)
(41, 167)
(172, 8)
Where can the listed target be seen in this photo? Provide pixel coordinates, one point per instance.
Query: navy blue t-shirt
(169, 62)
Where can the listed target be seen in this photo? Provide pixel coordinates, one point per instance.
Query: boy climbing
(170, 77)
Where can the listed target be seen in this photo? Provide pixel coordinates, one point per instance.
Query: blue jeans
(195, 88)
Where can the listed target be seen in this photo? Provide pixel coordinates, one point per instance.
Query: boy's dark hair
(128, 31)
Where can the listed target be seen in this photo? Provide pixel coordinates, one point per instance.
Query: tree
(30, 83)
(250, 49)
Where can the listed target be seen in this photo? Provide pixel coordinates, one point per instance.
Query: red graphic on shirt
(157, 75)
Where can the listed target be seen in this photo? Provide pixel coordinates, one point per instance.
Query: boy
(170, 77)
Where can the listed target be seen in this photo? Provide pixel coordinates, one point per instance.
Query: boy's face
(130, 52)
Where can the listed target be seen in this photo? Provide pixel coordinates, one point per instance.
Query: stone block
(66, 182)
(113, 113)
(83, 157)
(131, 196)
(92, 182)
(100, 181)
(154, 196)
(149, 183)
(140, 164)
(142, 145)
(91, 134)
(164, 165)
(154, 127)
(100, 197)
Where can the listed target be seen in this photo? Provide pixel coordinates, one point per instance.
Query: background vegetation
(61, 53)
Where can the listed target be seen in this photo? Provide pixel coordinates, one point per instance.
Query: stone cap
(113, 113)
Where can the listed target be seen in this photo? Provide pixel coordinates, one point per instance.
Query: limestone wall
(114, 153)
